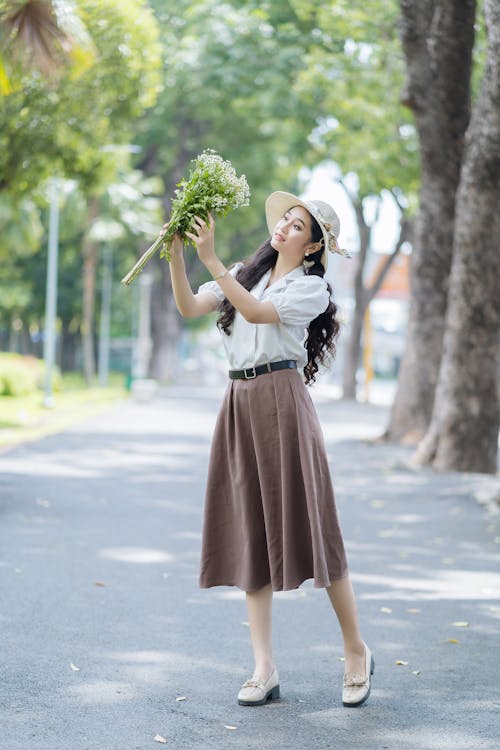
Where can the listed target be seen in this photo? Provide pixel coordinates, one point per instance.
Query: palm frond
(32, 34)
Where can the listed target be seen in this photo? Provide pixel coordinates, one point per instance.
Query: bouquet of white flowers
(212, 186)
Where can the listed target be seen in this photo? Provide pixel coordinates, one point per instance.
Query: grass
(25, 418)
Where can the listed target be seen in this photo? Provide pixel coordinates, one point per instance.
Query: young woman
(270, 520)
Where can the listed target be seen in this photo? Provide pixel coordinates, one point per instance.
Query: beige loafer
(255, 692)
(357, 687)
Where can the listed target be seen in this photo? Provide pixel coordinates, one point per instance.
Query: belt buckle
(247, 370)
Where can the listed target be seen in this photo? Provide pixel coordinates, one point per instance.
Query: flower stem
(157, 244)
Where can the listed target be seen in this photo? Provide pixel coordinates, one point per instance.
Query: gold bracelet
(221, 275)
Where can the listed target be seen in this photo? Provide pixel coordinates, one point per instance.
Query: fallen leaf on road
(161, 739)
(74, 667)
(401, 663)
(460, 624)
(99, 583)
(181, 698)
(228, 726)
(416, 671)
(413, 610)
(386, 610)
(451, 640)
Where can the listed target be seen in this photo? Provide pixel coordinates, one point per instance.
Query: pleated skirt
(269, 513)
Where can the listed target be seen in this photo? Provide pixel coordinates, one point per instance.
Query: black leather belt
(251, 372)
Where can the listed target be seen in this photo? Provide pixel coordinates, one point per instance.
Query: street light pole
(49, 343)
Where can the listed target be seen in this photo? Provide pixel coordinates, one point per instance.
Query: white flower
(212, 186)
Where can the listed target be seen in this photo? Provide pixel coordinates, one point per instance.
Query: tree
(352, 81)
(39, 35)
(128, 205)
(463, 433)
(19, 241)
(47, 126)
(438, 38)
(229, 74)
(364, 294)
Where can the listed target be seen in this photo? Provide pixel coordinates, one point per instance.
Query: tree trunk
(69, 344)
(90, 256)
(438, 38)
(363, 295)
(463, 435)
(353, 349)
(353, 352)
(165, 325)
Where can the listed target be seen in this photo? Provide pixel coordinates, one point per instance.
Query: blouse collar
(283, 280)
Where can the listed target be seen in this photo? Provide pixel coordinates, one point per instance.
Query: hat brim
(279, 202)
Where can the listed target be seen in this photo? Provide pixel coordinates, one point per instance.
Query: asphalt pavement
(107, 643)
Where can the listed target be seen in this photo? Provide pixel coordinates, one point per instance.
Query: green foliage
(211, 186)
(273, 85)
(47, 127)
(353, 79)
(228, 85)
(20, 226)
(20, 375)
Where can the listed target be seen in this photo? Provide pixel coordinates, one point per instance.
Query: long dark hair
(322, 332)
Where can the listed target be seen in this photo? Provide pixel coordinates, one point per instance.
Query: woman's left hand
(203, 237)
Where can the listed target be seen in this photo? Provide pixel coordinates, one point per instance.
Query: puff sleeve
(213, 287)
(301, 300)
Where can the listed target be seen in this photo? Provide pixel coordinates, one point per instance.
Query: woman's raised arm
(190, 305)
(252, 309)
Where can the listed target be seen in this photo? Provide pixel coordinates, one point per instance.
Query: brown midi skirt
(270, 513)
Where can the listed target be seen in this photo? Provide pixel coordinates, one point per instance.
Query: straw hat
(279, 202)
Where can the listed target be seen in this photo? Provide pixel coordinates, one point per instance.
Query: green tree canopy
(49, 126)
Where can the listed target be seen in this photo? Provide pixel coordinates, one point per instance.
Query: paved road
(104, 631)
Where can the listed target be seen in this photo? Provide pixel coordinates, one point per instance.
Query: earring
(307, 263)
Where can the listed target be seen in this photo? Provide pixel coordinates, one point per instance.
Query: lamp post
(49, 342)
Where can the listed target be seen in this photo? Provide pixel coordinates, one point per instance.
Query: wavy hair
(322, 332)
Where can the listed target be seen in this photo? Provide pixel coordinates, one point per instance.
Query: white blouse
(298, 299)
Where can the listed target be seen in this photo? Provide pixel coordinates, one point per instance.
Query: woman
(270, 520)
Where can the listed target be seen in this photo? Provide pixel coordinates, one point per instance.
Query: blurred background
(367, 106)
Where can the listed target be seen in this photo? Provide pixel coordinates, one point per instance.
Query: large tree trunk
(438, 38)
(90, 256)
(463, 435)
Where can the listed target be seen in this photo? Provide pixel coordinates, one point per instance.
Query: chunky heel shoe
(357, 687)
(256, 692)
